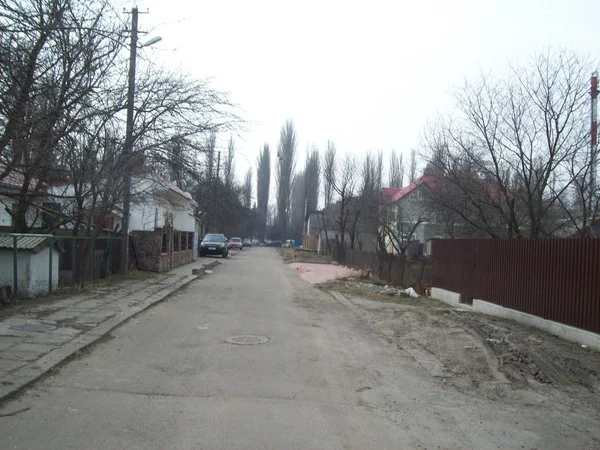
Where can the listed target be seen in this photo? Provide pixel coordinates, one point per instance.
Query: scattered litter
(388, 290)
(208, 271)
(351, 279)
(495, 341)
(584, 346)
(411, 292)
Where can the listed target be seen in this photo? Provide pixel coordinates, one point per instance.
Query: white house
(405, 216)
(9, 187)
(33, 264)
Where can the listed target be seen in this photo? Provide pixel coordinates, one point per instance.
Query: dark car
(214, 244)
(274, 244)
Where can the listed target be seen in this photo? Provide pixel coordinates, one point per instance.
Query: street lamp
(127, 150)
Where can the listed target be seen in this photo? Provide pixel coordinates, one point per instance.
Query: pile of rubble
(386, 290)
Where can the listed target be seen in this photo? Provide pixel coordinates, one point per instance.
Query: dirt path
(479, 355)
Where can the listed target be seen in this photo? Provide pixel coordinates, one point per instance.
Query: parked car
(247, 243)
(274, 244)
(235, 243)
(214, 244)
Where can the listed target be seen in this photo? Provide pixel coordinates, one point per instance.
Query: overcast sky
(367, 74)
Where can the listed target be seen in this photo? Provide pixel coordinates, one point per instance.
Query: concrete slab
(8, 341)
(8, 365)
(448, 297)
(26, 352)
(96, 317)
(17, 374)
(64, 314)
(561, 330)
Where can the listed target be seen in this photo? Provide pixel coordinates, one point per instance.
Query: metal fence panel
(556, 279)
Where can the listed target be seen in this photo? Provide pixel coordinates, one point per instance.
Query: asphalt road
(168, 379)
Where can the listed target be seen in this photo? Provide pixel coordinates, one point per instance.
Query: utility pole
(127, 150)
(215, 192)
(594, 142)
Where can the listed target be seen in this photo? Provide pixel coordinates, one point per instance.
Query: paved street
(320, 376)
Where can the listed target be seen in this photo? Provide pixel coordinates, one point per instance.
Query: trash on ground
(411, 292)
(388, 290)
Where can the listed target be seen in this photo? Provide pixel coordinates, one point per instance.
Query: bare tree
(312, 178)
(506, 164)
(396, 171)
(412, 172)
(343, 183)
(286, 156)
(53, 57)
(364, 209)
(228, 170)
(263, 182)
(247, 189)
(209, 150)
(298, 204)
(329, 172)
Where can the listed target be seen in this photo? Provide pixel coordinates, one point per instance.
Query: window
(184, 241)
(176, 241)
(15, 211)
(50, 214)
(164, 246)
(190, 241)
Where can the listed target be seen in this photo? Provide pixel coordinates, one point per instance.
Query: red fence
(556, 279)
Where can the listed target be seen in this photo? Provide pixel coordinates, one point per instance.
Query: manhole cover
(37, 327)
(247, 339)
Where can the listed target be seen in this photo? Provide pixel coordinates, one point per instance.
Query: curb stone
(18, 380)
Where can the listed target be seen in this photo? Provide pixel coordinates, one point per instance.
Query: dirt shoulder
(478, 354)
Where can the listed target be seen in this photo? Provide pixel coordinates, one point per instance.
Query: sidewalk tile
(26, 352)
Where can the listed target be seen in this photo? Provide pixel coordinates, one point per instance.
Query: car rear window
(213, 238)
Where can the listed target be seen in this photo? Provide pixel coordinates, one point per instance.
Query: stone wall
(148, 246)
(147, 249)
(181, 258)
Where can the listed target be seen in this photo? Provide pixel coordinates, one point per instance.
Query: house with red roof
(406, 221)
(12, 186)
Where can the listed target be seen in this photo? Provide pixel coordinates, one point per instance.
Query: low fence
(393, 269)
(309, 242)
(34, 264)
(556, 279)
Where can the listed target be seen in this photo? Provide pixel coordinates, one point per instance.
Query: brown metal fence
(393, 269)
(556, 279)
(389, 268)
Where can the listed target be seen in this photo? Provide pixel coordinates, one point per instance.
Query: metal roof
(23, 243)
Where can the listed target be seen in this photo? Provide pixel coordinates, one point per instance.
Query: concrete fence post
(15, 264)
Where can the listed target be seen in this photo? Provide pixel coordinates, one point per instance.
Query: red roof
(16, 179)
(395, 194)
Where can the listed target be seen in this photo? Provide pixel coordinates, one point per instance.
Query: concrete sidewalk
(33, 342)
